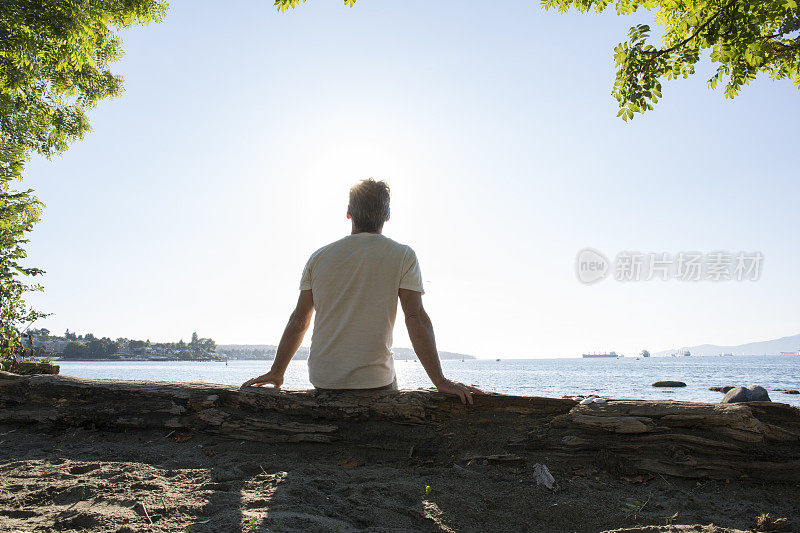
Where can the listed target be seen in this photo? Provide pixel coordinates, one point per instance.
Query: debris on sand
(543, 476)
(765, 522)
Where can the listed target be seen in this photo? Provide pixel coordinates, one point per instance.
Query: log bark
(758, 440)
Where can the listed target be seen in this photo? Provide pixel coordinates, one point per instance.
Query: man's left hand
(456, 388)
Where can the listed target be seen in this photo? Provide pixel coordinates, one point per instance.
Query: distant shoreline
(449, 357)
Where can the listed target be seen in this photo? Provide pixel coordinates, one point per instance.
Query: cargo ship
(596, 355)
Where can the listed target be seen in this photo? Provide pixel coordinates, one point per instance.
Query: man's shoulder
(398, 250)
(328, 246)
(394, 244)
(385, 245)
(322, 249)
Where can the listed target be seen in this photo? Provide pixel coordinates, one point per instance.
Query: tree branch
(703, 26)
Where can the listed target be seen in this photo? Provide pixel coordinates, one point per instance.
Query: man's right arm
(420, 330)
(293, 335)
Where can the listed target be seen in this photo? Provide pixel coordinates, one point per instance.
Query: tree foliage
(19, 211)
(103, 348)
(283, 5)
(89, 346)
(200, 345)
(54, 67)
(743, 38)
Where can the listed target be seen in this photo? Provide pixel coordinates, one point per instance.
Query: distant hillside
(771, 347)
(267, 351)
(246, 347)
(407, 353)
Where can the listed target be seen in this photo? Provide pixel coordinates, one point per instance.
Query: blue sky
(196, 200)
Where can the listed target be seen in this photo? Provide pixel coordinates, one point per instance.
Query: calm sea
(614, 378)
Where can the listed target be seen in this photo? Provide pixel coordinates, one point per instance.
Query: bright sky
(196, 201)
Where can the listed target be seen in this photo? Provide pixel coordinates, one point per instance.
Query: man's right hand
(270, 378)
(456, 388)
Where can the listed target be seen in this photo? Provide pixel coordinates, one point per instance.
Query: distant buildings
(89, 347)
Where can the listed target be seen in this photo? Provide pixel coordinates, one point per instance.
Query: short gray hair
(369, 204)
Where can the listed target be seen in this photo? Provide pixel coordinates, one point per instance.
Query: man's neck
(356, 230)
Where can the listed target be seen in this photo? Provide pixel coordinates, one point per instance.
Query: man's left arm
(299, 322)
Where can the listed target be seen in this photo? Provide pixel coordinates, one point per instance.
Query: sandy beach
(90, 480)
(387, 267)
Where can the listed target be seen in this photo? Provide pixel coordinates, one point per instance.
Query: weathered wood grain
(758, 440)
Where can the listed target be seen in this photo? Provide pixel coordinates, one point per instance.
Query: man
(353, 284)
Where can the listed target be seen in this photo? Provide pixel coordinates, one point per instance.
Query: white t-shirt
(354, 282)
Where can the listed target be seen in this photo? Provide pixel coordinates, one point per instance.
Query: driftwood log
(756, 440)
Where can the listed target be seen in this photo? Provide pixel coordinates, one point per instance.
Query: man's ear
(348, 213)
(389, 215)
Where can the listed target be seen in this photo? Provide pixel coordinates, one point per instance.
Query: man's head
(369, 205)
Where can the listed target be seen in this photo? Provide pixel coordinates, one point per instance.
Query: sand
(92, 480)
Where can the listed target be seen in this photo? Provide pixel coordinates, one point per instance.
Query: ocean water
(613, 378)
